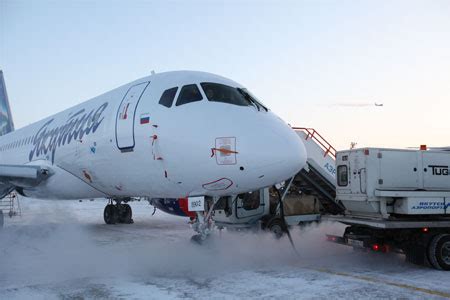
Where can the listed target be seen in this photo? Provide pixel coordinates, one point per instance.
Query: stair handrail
(324, 144)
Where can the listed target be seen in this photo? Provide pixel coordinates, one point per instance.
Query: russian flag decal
(145, 118)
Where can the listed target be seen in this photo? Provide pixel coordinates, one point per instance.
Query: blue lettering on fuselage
(79, 124)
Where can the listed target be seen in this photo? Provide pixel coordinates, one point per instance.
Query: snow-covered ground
(63, 250)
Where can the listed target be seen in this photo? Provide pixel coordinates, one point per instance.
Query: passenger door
(125, 119)
(356, 159)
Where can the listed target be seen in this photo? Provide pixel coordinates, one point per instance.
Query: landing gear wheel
(198, 239)
(439, 252)
(126, 214)
(111, 214)
(276, 227)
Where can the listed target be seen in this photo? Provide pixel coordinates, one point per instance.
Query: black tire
(197, 239)
(125, 214)
(110, 214)
(276, 227)
(439, 252)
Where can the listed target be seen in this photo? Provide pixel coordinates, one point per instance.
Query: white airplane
(169, 135)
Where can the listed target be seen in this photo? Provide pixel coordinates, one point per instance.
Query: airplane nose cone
(292, 153)
(278, 153)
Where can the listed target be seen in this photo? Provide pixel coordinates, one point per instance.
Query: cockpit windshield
(249, 96)
(223, 93)
(217, 92)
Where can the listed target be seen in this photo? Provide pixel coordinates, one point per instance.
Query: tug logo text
(439, 170)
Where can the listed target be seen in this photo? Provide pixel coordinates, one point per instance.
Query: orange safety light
(423, 147)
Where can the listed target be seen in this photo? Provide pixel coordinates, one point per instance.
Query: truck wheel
(276, 227)
(439, 252)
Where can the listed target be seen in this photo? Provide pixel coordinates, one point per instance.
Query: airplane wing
(23, 176)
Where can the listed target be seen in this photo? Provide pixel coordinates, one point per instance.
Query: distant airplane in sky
(379, 104)
(169, 135)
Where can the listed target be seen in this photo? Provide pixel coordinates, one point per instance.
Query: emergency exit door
(126, 115)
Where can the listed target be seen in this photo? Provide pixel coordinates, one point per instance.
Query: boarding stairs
(318, 178)
(10, 205)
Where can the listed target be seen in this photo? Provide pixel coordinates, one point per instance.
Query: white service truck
(396, 200)
(261, 210)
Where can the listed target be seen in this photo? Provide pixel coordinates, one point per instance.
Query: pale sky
(318, 64)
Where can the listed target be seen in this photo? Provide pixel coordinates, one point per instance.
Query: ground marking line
(375, 280)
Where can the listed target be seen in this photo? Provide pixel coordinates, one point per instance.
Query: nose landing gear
(118, 212)
(203, 226)
(203, 223)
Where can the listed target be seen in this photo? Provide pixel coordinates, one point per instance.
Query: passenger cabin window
(168, 96)
(189, 93)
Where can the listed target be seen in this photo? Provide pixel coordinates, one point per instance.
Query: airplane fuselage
(124, 143)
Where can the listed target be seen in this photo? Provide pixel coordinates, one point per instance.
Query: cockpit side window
(217, 92)
(252, 99)
(168, 96)
(189, 93)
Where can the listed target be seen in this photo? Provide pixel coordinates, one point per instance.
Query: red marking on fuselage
(125, 115)
(87, 176)
(184, 206)
(222, 150)
(225, 181)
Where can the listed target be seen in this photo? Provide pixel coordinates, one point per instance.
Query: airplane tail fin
(6, 121)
